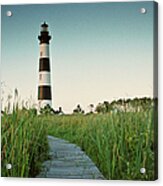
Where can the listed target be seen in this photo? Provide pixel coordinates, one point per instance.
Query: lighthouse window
(40, 53)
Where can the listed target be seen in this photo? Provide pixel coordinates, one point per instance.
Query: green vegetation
(119, 137)
(119, 143)
(23, 143)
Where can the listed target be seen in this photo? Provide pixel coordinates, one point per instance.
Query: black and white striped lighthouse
(44, 87)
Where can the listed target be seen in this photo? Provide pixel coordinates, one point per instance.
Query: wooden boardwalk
(68, 161)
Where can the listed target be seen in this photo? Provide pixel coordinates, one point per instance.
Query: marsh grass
(119, 143)
(23, 143)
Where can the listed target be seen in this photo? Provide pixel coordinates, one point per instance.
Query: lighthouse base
(43, 103)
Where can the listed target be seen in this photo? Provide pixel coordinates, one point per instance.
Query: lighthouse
(44, 83)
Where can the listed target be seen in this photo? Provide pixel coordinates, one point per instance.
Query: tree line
(120, 105)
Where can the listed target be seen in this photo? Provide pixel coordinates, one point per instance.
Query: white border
(43, 182)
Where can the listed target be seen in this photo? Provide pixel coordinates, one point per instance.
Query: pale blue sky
(98, 52)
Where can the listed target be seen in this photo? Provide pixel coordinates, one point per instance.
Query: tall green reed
(23, 143)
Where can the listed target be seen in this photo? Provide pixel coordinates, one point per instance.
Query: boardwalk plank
(68, 161)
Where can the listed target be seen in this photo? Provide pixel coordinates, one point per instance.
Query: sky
(98, 52)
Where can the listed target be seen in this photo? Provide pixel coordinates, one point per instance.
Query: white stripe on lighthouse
(44, 50)
(44, 78)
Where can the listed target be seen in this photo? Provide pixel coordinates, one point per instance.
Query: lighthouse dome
(44, 27)
(44, 24)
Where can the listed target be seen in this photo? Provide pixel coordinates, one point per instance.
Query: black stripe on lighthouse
(44, 88)
(44, 92)
(44, 64)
